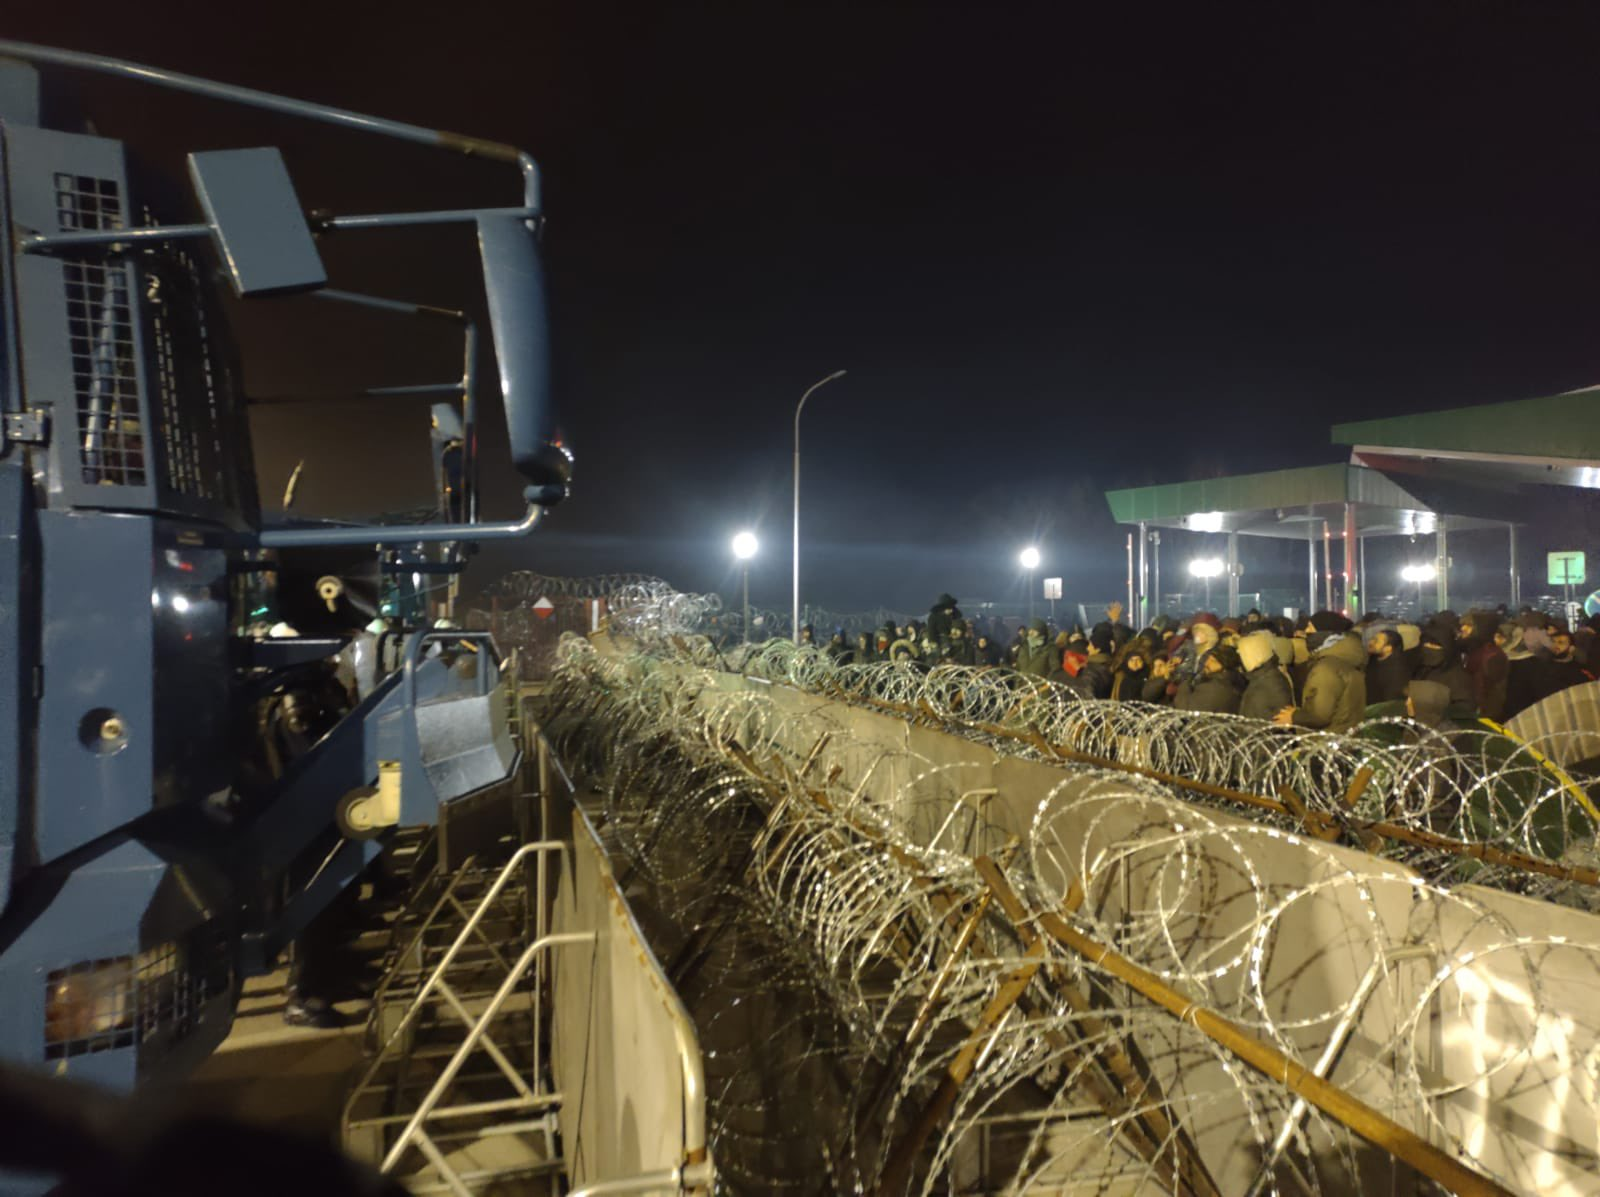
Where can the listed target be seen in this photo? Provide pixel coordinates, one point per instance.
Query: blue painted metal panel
(191, 687)
(514, 280)
(19, 93)
(257, 221)
(97, 653)
(19, 638)
(94, 916)
(10, 363)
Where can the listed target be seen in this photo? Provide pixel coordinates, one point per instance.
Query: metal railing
(449, 1103)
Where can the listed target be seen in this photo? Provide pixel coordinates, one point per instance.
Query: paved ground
(278, 1075)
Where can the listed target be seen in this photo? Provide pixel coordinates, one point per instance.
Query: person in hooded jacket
(1411, 645)
(837, 648)
(1388, 670)
(1131, 668)
(862, 653)
(1526, 680)
(1034, 656)
(1335, 697)
(1442, 663)
(1095, 677)
(986, 651)
(1186, 652)
(1220, 686)
(1486, 664)
(941, 618)
(1267, 690)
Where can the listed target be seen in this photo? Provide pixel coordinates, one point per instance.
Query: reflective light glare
(1206, 567)
(1030, 558)
(1206, 521)
(180, 604)
(745, 545)
(1419, 573)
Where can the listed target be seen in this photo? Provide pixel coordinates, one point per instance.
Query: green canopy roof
(1554, 440)
(1295, 503)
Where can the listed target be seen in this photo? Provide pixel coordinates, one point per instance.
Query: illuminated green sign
(1566, 569)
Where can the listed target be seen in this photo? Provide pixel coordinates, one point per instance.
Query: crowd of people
(1324, 671)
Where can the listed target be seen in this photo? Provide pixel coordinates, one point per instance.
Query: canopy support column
(1233, 573)
(1362, 581)
(1441, 566)
(1155, 553)
(1327, 567)
(1140, 616)
(1352, 586)
(1311, 568)
(1516, 578)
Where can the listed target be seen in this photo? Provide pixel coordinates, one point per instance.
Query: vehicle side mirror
(256, 221)
(514, 279)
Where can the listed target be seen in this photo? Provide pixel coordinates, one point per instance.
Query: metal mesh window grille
(101, 1005)
(190, 418)
(100, 329)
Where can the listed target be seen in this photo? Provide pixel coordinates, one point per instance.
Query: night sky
(1055, 255)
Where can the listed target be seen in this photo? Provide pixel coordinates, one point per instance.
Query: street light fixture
(1207, 568)
(1030, 562)
(744, 548)
(796, 570)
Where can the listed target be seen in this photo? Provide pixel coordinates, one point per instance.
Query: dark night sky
(1054, 254)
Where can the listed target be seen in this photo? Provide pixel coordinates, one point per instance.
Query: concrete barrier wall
(624, 1053)
(1480, 1032)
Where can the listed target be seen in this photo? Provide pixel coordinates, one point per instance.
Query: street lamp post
(1206, 568)
(1030, 562)
(795, 613)
(744, 548)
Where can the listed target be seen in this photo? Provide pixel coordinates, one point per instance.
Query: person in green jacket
(1335, 697)
(1034, 655)
(1267, 690)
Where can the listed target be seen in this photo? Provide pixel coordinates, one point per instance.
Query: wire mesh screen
(191, 422)
(155, 998)
(100, 331)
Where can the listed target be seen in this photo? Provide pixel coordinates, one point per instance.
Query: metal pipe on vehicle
(673, 1180)
(282, 538)
(459, 143)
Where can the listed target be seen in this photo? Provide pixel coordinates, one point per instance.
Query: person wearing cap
(1095, 677)
(1335, 696)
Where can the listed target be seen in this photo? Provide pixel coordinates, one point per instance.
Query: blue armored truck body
(207, 728)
